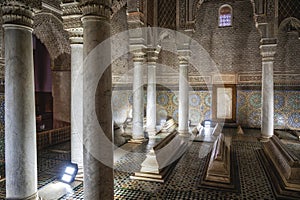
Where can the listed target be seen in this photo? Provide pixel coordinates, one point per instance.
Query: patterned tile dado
(248, 108)
(167, 105)
(286, 109)
(194, 100)
(199, 104)
(294, 100)
(294, 120)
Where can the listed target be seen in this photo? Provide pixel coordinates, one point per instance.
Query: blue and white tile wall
(166, 105)
(286, 109)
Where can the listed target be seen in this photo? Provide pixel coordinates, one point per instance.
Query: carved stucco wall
(119, 25)
(288, 49)
(49, 29)
(236, 48)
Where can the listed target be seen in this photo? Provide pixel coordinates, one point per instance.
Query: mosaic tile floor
(50, 163)
(184, 181)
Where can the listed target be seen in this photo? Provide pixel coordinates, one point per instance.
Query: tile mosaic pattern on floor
(50, 164)
(184, 182)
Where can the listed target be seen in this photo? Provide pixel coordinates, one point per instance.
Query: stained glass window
(225, 16)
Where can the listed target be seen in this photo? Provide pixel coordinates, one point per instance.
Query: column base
(184, 133)
(264, 138)
(32, 197)
(79, 176)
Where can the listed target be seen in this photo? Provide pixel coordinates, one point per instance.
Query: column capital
(72, 14)
(152, 55)
(139, 56)
(76, 35)
(268, 49)
(184, 56)
(16, 12)
(97, 9)
(138, 52)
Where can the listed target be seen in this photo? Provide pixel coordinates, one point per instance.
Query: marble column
(268, 50)
(20, 123)
(183, 107)
(77, 107)
(97, 115)
(138, 97)
(137, 46)
(72, 24)
(151, 93)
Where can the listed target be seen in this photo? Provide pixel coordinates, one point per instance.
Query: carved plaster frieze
(279, 78)
(224, 79)
(287, 78)
(249, 78)
(200, 79)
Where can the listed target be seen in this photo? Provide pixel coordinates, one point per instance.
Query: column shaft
(267, 126)
(151, 100)
(183, 108)
(97, 116)
(267, 111)
(77, 106)
(138, 101)
(20, 123)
